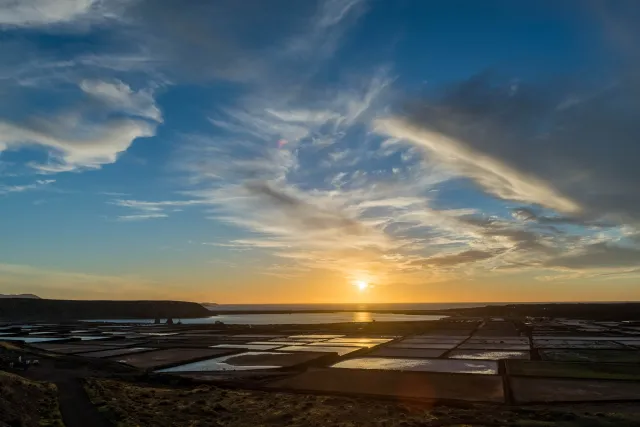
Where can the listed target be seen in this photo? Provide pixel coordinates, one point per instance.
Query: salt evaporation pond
(486, 367)
(219, 364)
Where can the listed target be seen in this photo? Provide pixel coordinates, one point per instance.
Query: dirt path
(75, 406)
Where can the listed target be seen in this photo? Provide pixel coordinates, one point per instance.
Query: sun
(362, 285)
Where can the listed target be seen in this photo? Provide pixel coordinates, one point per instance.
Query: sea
(299, 314)
(347, 307)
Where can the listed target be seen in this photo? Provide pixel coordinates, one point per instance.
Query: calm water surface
(294, 318)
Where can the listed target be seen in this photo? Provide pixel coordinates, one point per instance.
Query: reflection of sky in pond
(402, 344)
(498, 341)
(89, 338)
(428, 365)
(316, 336)
(343, 344)
(488, 354)
(492, 346)
(272, 343)
(432, 341)
(360, 340)
(247, 346)
(160, 334)
(577, 344)
(32, 339)
(218, 364)
(340, 350)
(584, 338)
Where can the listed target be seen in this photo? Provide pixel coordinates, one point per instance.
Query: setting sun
(362, 285)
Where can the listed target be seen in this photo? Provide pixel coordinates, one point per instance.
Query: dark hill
(49, 309)
(19, 296)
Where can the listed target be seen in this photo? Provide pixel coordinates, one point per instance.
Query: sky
(320, 151)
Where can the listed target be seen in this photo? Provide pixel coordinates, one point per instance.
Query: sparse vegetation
(135, 405)
(26, 403)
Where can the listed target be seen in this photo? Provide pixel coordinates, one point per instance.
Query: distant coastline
(593, 310)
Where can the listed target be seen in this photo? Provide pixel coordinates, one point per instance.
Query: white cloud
(38, 184)
(34, 13)
(141, 217)
(496, 177)
(151, 210)
(119, 97)
(87, 137)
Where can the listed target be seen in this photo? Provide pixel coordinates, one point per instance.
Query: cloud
(217, 40)
(38, 184)
(151, 210)
(86, 136)
(463, 257)
(118, 96)
(141, 217)
(309, 216)
(493, 175)
(580, 160)
(602, 255)
(37, 13)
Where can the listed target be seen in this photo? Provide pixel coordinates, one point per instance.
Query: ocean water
(345, 307)
(293, 318)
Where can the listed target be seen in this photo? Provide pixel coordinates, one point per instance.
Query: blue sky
(281, 151)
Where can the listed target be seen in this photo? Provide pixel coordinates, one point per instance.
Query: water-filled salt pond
(402, 344)
(248, 346)
(219, 364)
(342, 344)
(486, 367)
(90, 338)
(328, 349)
(592, 344)
(32, 339)
(374, 341)
(488, 354)
(493, 346)
(406, 352)
(316, 336)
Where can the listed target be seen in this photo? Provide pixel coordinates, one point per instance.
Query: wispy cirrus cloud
(493, 175)
(317, 167)
(329, 180)
(151, 210)
(37, 185)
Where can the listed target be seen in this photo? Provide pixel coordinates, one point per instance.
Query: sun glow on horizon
(361, 285)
